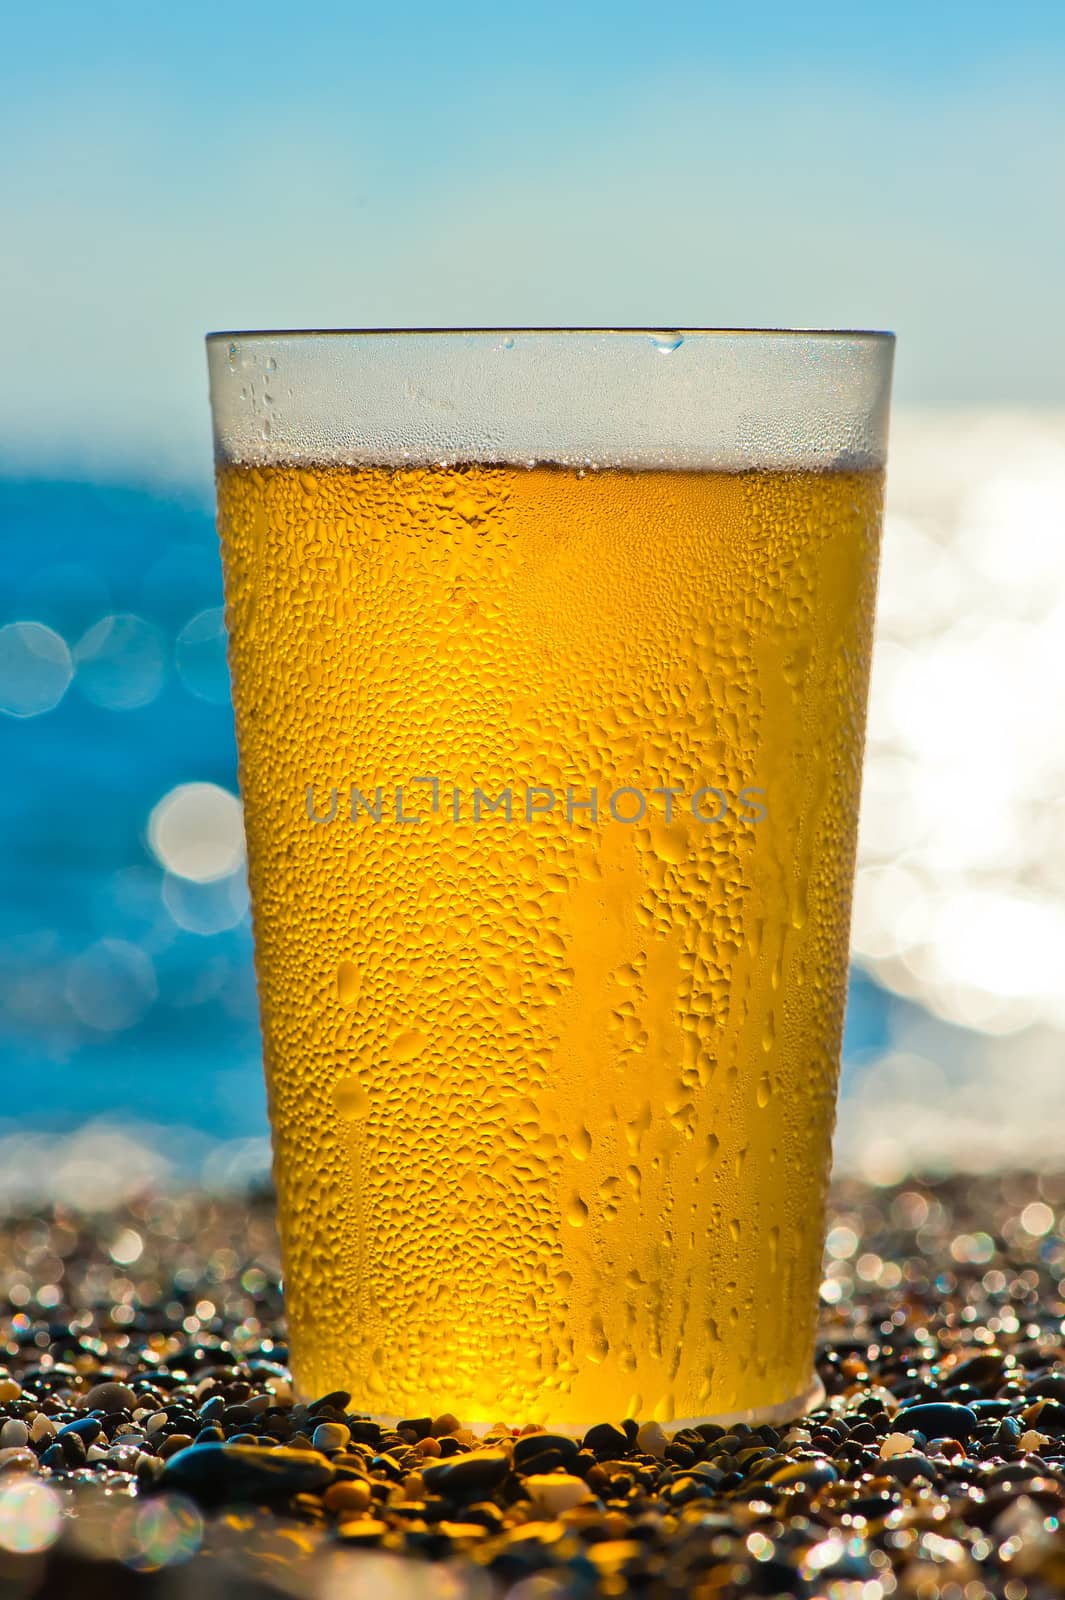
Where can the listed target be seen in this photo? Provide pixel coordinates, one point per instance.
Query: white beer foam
(725, 400)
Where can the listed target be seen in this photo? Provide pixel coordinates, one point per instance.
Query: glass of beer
(549, 653)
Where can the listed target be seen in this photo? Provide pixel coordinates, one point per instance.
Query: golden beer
(551, 781)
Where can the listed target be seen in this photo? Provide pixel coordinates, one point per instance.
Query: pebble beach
(151, 1441)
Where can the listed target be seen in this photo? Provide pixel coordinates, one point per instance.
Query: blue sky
(215, 165)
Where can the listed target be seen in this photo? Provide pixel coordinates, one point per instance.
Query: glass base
(784, 1411)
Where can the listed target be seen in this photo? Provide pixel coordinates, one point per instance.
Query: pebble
(555, 1492)
(653, 1440)
(896, 1444)
(348, 1497)
(228, 1474)
(532, 1446)
(606, 1441)
(109, 1397)
(330, 1436)
(466, 1474)
(835, 1502)
(939, 1420)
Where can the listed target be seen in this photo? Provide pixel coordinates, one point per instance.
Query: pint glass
(549, 654)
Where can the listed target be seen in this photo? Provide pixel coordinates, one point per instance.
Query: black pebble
(904, 1469)
(937, 1420)
(532, 1445)
(608, 1441)
(467, 1474)
(231, 1474)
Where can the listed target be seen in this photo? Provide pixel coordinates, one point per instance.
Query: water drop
(351, 1099)
(232, 354)
(598, 1344)
(666, 343)
(347, 983)
(508, 343)
(408, 1044)
(576, 1211)
(581, 1144)
(764, 1091)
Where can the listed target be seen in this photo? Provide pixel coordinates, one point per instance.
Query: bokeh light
(30, 1516)
(35, 668)
(111, 985)
(121, 662)
(162, 1532)
(197, 832)
(206, 908)
(200, 656)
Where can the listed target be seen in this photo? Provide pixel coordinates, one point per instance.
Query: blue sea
(126, 993)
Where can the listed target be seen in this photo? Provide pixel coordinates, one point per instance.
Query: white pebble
(94, 1453)
(157, 1420)
(652, 1440)
(896, 1444)
(260, 1402)
(557, 1491)
(43, 1428)
(330, 1436)
(13, 1433)
(1031, 1440)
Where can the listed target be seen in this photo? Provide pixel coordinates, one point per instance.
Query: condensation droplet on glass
(576, 1211)
(347, 983)
(508, 343)
(666, 343)
(271, 364)
(351, 1099)
(232, 354)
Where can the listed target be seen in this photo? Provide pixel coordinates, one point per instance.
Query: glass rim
(855, 334)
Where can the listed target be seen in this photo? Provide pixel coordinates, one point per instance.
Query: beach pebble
(466, 1474)
(347, 1497)
(606, 1441)
(939, 1419)
(228, 1474)
(896, 1444)
(109, 1397)
(330, 1436)
(555, 1492)
(13, 1433)
(652, 1440)
(18, 1458)
(9, 1390)
(42, 1428)
(532, 1446)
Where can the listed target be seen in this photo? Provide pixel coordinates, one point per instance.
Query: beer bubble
(351, 1099)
